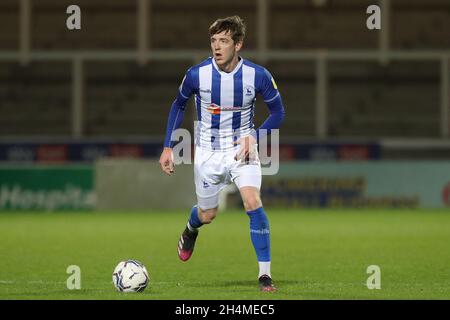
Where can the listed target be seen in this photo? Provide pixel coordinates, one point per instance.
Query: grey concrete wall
(140, 184)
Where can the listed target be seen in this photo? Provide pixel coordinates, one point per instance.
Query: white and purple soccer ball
(130, 276)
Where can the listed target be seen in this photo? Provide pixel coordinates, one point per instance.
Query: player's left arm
(269, 91)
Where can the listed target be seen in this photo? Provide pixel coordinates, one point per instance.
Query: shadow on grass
(72, 294)
(245, 283)
(93, 293)
(242, 286)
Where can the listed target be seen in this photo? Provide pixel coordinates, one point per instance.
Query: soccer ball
(130, 276)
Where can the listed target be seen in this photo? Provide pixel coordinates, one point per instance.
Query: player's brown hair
(234, 24)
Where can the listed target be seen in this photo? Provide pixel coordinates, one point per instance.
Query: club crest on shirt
(248, 91)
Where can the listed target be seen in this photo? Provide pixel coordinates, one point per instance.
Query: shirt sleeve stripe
(181, 92)
(270, 100)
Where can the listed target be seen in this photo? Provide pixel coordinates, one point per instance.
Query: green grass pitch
(316, 254)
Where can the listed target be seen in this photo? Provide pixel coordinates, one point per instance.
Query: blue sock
(260, 234)
(194, 220)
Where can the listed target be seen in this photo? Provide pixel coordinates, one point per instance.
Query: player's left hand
(247, 152)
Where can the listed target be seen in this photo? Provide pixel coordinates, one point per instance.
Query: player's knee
(252, 203)
(207, 216)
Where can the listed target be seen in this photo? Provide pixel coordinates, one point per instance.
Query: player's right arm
(176, 116)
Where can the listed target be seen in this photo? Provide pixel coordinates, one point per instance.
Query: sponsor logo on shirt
(215, 109)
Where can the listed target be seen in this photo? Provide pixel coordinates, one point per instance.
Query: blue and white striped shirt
(225, 102)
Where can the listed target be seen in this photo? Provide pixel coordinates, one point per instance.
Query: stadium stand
(36, 99)
(9, 28)
(122, 98)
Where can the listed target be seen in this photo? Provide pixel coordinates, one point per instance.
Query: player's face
(224, 48)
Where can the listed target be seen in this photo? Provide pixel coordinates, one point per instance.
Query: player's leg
(247, 178)
(259, 234)
(207, 204)
(197, 218)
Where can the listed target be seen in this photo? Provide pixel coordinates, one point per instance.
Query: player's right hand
(166, 161)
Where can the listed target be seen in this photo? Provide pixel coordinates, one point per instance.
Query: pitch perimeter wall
(139, 184)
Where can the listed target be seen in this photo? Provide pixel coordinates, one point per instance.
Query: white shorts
(215, 170)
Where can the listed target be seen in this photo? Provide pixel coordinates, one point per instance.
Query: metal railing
(142, 54)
